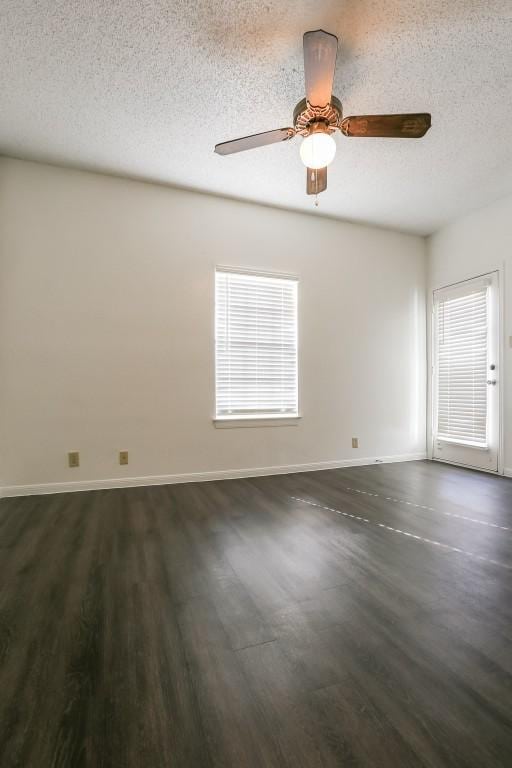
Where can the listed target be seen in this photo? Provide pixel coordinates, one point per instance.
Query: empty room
(256, 384)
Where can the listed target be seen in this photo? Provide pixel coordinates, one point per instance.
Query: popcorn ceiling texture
(146, 88)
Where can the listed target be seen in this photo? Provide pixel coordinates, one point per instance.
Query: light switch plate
(355, 442)
(123, 457)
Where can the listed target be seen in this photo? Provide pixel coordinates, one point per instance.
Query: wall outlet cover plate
(73, 459)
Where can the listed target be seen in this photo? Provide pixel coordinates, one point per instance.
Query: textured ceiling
(146, 88)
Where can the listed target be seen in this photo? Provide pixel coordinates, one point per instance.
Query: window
(255, 345)
(462, 340)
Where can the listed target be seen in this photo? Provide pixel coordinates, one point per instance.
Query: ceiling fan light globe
(317, 150)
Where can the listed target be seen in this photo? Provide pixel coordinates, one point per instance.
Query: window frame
(254, 420)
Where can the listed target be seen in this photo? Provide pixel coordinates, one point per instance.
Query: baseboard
(197, 477)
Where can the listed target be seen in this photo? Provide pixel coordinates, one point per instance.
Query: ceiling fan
(320, 114)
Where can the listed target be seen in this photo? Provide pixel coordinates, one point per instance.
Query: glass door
(466, 380)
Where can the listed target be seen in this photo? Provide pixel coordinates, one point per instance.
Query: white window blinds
(255, 345)
(462, 345)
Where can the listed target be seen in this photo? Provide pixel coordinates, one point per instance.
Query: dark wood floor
(228, 624)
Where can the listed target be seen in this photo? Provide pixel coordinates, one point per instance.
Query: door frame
(500, 270)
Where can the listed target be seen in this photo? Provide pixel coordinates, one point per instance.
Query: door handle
(492, 382)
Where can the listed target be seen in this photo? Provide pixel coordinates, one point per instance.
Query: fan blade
(388, 126)
(316, 180)
(253, 141)
(320, 49)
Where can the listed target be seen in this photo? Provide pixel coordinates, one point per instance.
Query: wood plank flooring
(232, 625)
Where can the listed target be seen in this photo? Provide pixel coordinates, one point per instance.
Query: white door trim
(500, 269)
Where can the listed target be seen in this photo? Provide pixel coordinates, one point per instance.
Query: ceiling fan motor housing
(307, 118)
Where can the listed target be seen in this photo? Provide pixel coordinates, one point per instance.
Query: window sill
(234, 422)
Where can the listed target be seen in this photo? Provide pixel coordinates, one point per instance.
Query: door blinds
(462, 342)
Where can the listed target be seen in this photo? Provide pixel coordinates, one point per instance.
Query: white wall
(478, 243)
(106, 330)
